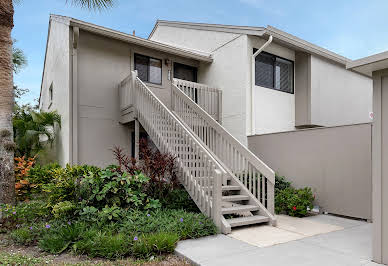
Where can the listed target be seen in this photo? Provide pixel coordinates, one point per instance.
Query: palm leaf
(93, 4)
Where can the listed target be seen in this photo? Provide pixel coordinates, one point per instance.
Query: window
(51, 93)
(185, 72)
(274, 72)
(148, 69)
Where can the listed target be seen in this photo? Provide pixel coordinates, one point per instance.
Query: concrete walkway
(348, 242)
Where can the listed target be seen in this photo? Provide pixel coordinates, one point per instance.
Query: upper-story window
(185, 72)
(148, 69)
(274, 72)
(51, 94)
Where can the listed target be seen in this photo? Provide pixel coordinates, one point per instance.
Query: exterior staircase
(228, 183)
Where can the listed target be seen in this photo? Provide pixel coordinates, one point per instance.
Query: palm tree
(7, 180)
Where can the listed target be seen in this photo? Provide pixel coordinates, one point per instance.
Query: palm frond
(93, 4)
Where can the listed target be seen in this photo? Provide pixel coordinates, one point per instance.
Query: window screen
(274, 72)
(185, 72)
(148, 69)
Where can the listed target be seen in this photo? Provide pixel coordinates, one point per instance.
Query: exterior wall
(274, 111)
(102, 64)
(338, 96)
(57, 73)
(380, 166)
(228, 71)
(303, 89)
(202, 40)
(335, 162)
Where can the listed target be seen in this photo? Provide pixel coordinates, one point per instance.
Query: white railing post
(217, 198)
(220, 106)
(271, 197)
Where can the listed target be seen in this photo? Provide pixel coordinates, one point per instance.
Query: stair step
(256, 219)
(228, 188)
(239, 209)
(235, 198)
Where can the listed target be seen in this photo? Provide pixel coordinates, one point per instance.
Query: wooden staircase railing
(210, 99)
(254, 174)
(200, 172)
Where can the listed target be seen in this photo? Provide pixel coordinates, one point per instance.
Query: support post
(137, 128)
(217, 195)
(220, 107)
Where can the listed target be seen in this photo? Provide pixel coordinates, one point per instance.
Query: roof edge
(184, 52)
(305, 45)
(250, 30)
(367, 60)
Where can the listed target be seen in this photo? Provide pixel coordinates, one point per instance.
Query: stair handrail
(209, 98)
(206, 195)
(227, 148)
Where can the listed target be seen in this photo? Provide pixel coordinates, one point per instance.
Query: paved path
(349, 246)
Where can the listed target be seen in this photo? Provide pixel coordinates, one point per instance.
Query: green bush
(23, 236)
(40, 175)
(111, 188)
(64, 184)
(294, 202)
(154, 244)
(63, 209)
(281, 183)
(179, 199)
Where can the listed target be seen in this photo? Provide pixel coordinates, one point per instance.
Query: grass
(18, 259)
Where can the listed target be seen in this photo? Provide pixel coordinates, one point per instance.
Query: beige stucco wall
(102, 64)
(57, 73)
(226, 72)
(335, 162)
(274, 111)
(338, 96)
(380, 169)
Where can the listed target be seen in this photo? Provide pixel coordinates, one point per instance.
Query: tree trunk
(7, 179)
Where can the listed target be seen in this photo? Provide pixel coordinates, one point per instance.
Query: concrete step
(229, 188)
(256, 219)
(235, 198)
(239, 209)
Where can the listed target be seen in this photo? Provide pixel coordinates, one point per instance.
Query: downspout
(74, 100)
(253, 82)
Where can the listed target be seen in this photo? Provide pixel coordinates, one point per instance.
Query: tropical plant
(29, 129)
(7, 90)
(23, 187)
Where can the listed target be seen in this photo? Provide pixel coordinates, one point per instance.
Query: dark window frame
(274, 57)
(195, 70)
(149, 66)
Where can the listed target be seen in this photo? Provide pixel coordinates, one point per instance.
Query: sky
(351, 28)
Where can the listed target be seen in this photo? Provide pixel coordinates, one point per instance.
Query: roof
(114, 34)
(369, 64)
(278, 36)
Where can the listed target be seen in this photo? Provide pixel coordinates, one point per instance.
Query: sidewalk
(348, 242)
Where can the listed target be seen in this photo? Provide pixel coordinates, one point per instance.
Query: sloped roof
(114, 34)
(278, 35)
(369, 64)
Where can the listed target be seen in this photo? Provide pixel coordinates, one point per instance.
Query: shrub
(294, 202)
(40, 175)
(159, 167)
(63, 209)
(63, 186)
(281, 183)
(154, 244)
(110, 188)
(23, 188)
(179, 199)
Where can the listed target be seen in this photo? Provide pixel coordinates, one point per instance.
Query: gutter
(253, 60)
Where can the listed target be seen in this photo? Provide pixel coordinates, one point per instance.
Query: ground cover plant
(111, 212)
